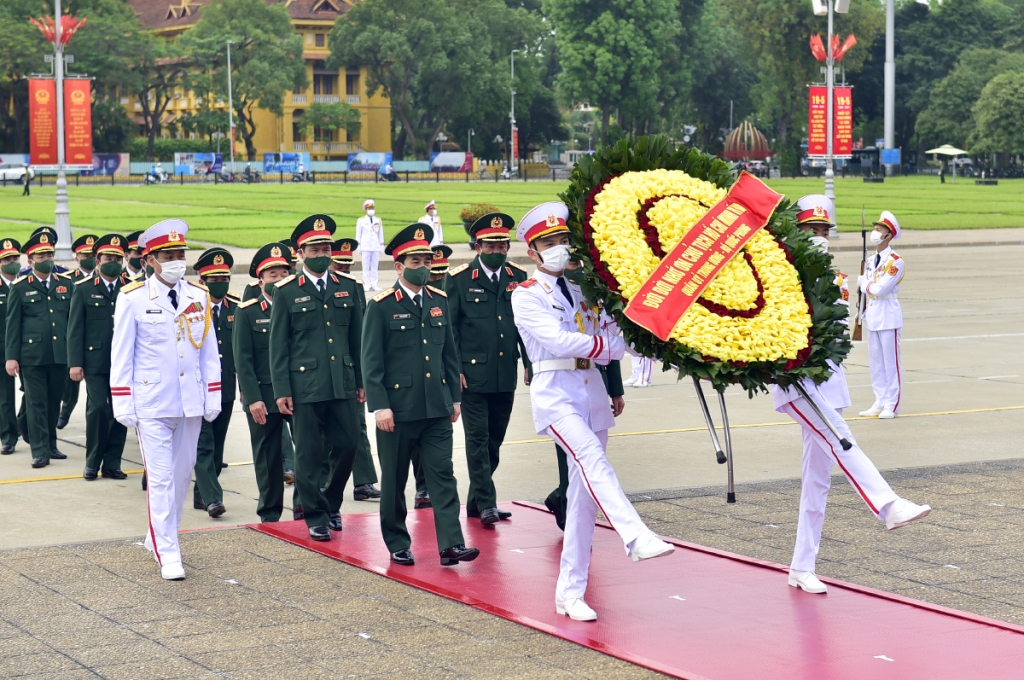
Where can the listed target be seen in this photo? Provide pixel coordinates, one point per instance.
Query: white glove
(128, 420)
(862, 283)
(211, 416)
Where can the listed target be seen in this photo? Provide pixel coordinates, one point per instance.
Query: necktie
(46, 284)
(216, 315)
(564, 287)
(878, 259)
(110, 288)
(417, 301)
(320, 286)
(173, 294)
(494, 279)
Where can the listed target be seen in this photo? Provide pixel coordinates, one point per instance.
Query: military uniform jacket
(484, 326)
(156, 370)
(225, 350)
(5, 294)
(410, 362)
(37, 320)
(251, 347)
(78, 275)
(315, 339)
(91, 323)
(883, 309)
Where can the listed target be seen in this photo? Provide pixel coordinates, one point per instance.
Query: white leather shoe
(902, 512)
(807, 582)
(886, 415)
(630, 381)
(640, 383)
(873, 411)
(576, 609)
(173, 572)
(649, 546)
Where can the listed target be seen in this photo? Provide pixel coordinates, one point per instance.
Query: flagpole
(62, 214)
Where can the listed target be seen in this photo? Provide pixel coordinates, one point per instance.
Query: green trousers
(209, 456)
(433, 438)
(559, 498)
(337, 421)
(287, 449)
(363, 471)
(267, 451)
(44, 387)
(104, 436)
(8, 417)
(69, 400)
(485, 418)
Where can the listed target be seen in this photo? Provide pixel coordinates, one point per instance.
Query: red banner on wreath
(817, 122)
(78, 122)
(42, 125)
(706, 248)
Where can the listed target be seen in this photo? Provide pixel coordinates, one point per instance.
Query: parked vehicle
(10, 172)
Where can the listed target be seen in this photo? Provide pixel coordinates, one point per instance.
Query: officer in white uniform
(370, 234)
(434, 222)
(564, 337)
(883, 317)
(821, 448)
(164, 380)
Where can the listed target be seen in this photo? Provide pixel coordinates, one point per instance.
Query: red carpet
(698, 613)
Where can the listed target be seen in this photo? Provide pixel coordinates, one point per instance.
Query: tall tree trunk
(19, 93)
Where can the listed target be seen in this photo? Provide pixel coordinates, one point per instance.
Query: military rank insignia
(436, 311)
(62, 289)
(341, 294)
(231, 319)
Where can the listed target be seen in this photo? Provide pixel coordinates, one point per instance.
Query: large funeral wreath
(768, 317)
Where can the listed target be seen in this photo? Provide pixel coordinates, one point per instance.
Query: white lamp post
(62, 214)
(231, 108)
(889, 107)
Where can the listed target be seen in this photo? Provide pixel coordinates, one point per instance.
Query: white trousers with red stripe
(592, 486)
(886, 368)
(169, 454)
(821, 450)
(643, 368)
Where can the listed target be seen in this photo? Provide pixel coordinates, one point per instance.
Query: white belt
(887, 296)
(561, 365)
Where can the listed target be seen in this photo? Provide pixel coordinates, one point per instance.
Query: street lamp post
(512, 115)
(830, 175)
(469, 140)
(62, 214)
(231, 107)
(889, 107)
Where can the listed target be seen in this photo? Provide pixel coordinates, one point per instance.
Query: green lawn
(250, 216)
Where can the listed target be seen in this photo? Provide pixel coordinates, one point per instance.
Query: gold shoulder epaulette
(198, 285)
(458, 270)
(134, 285)
(233, 296)
(521, 268)
(287, 279)
(19, 279)
(63, 275)
(79, 282)
(438, 291)
(383, 294)
(347, 276)
(250, 301)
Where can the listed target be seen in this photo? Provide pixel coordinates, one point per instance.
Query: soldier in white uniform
(370, 234)
(564, 338)
(883, 317)
(164, 380)
(821, 448)
(434, 222)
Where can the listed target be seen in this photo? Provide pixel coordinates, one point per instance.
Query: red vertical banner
(842, 123)
(42, 117)
(817, 121)
(78, 122)
(515, 143)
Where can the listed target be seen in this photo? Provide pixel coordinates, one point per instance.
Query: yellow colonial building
(313, 20)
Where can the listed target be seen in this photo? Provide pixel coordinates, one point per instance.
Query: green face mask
(44, 267)
(218, 289)
(111, 269)
(418, 276)
(135, 263)
(574, 275)
(269, 288)
(88, 264)
(318, 265)
(11, 268)
(493, 261)
(149, 271)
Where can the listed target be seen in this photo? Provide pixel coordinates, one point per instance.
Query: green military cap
(292, 250)
(214, 262)
(50, 231)
(133, 240)
(111, 244)
(270, 255)
(8, 247)
(413, 239)
(439, 263)
(343, 250)
(83, 244)
(493, 227)
(40, 242)
(314, 229)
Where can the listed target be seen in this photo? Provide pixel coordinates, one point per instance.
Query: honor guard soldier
(85, 256)
(364, 474)
(412, 385)
(251, 345)
(480, 300)
(370, 235)
(439, 265)
(90, 333)
(133, 257)
(564, 337)
(431, 219)
(165, 380)
(214, 267)
(37, 325)
(883, 317)
(315, 330)
(10, 265)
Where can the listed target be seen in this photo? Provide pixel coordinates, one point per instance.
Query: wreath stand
(721, 456)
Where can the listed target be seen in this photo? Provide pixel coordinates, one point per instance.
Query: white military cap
(889, 220)
(430, 205)
(165, 235)
(546, 219)
(367, 203)
(815, 208)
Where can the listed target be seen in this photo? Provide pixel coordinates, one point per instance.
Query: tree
(159, 71)
(21, 52)
(331, 117)
(266, 57)
(999, 113)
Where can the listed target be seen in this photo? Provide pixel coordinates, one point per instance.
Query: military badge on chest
(436, 312)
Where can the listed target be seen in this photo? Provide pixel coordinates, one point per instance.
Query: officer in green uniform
(439, 265)
(90, 332)
(412, 385)
(480, 297)
(251, 344)
(315, 328)
(10, 265)
(133, 257)
(85, 256)
(214, 267)
(37, 325)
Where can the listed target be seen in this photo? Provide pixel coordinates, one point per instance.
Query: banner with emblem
(78, 121)
(42, 117)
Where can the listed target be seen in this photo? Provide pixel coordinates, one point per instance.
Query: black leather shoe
(62, 422)
(89, 474)
(223, 465)
(297, 513)
(551, 505)
(57, 455)
(489, 516)
(458, 553)
(289, 476)
(403, 557)
(6, 449)
(40, 462)
(320, 533)
(114, 474)
(422, 500)
(472, 513)
(335, 521)
(365, 492)
(216, 509)
(504, 515)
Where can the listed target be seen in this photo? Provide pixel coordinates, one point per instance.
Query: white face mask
(432, 212)
(820, 242)
(876, 238)
(556, 258)
(369, 213)
(173, 271)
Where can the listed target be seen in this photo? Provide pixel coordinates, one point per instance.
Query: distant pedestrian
(942, 172)
(27, 180)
